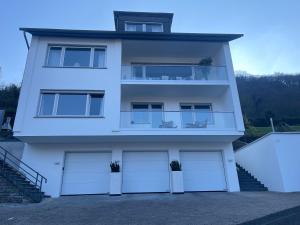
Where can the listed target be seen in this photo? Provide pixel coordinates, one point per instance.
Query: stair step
(248, 182)
(11, 199)
(251, 189)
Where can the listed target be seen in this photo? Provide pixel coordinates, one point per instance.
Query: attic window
(143, 27)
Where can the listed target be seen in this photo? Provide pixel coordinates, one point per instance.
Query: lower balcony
(177, 120)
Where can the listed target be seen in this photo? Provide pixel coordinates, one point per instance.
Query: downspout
(26, 40)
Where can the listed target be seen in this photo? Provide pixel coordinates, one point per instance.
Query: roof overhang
(131, 36)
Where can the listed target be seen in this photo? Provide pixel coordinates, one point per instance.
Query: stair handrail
(36, 179)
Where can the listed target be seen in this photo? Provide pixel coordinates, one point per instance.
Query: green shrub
(115, 167)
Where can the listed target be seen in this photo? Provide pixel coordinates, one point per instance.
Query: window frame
(193, 111)
(144, 26)
(148, 111)
(62, 56)
(56, 100)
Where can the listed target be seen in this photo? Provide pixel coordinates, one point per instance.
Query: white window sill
(74, 67)
(69, 117)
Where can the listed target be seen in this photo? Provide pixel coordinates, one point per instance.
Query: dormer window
(143, 27)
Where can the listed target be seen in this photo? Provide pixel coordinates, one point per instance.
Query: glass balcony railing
(173, 72)
(147, 120)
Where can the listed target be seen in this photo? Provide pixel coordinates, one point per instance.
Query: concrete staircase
(18, 181)
(15, 187)
(248, 182)
(9, 193)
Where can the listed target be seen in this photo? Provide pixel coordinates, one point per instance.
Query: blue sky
(271, 27)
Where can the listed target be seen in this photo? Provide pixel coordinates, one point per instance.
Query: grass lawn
(260, 131)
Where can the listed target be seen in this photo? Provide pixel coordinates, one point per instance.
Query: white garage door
(145, 172)
(86, 173)
(203, 171)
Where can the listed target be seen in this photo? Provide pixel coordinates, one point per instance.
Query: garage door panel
(86, 173)
(203, 171)
(145, 172)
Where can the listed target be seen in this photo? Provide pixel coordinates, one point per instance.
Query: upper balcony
(166, 73)
(173, 64)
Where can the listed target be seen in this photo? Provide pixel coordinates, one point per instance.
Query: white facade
(274, 160)
(50, 159)
(52, 140)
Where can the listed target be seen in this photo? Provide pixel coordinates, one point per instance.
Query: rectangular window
(134, 27)
(71, 104)
(140, 113)
(77, 57)
(99, 58)
(54, 56)
(147, 114)
(96, 101)
(154, 27)
(196, 113)
(143, 27)
(47, 104)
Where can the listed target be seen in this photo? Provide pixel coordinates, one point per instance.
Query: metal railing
(190, 119)
(173, 72)
(24, 170)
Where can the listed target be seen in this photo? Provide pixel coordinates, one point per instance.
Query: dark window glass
(134, 27)
(99, 58)
(154, 27)
(71, 104)
(140, 106)
(156, 106)
(47, 103)
(186, 107)
(54, 56)
(137, 72)
(203, 113)
(140, 113)
(96, 104)
(77, 57)
(169, 72)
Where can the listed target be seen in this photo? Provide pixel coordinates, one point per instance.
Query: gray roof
(131, 35)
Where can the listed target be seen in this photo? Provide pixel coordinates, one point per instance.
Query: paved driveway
(189, 208)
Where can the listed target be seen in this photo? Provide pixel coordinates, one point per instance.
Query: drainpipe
(26, 40)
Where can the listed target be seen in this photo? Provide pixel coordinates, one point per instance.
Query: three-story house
(140, 95)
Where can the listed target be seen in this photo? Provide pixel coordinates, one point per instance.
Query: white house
(274, 160)
(140, 95)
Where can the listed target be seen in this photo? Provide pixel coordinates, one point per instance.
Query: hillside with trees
(276, 96)
(9, 95)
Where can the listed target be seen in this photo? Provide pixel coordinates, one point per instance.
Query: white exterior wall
(233, 88)
(48, 159)
(37, 77)
(173, 103)
(273, 160)
(288, 152)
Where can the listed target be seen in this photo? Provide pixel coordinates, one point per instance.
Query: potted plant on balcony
(115, 178)
(177, 178)
(205, 67)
